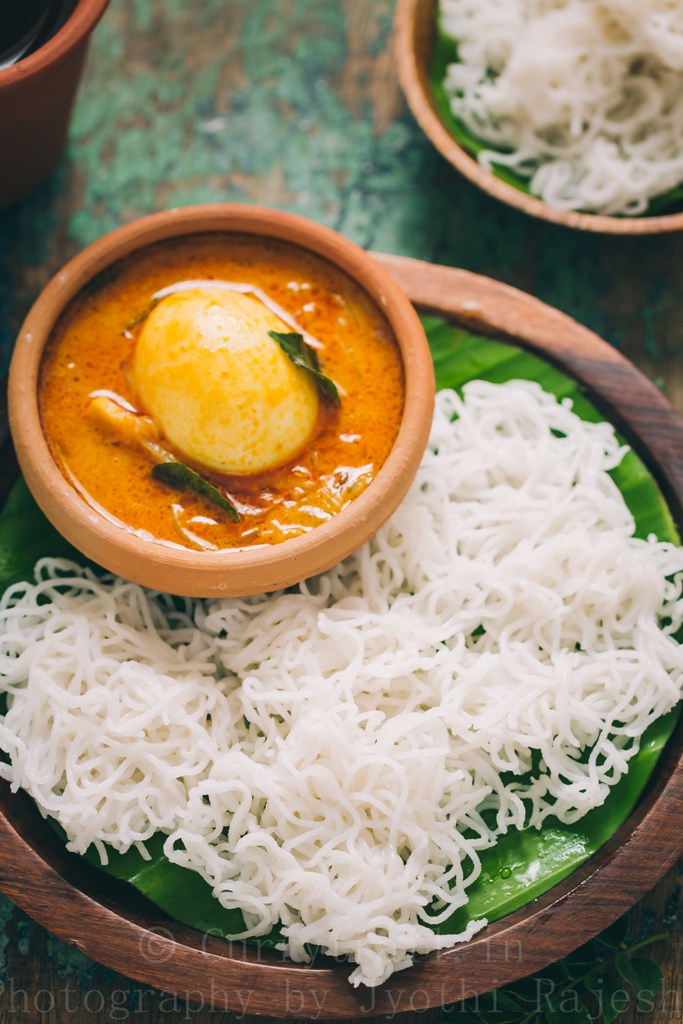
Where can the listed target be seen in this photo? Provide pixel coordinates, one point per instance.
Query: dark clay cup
(36, 97)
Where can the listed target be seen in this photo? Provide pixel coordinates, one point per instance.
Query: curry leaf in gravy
(142, 317)
(306, 358)
(176, 474)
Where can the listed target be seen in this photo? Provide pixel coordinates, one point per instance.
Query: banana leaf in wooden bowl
(543, 892)
(424, 52)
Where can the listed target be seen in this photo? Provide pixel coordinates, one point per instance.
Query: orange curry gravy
(94, 341)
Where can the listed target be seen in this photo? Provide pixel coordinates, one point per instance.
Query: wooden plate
(415, 34)
(115, 925)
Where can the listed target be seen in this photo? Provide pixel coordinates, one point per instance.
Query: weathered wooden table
(295, 104)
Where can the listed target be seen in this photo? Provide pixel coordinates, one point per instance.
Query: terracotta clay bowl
(237, 571)
(415, 38)
(36, 97)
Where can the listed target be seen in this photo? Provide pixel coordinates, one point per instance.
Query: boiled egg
(221, 390)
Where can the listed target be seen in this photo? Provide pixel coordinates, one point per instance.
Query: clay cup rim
(56, 49)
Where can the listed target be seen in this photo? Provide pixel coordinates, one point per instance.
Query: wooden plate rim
(142, 943)
(414, 31)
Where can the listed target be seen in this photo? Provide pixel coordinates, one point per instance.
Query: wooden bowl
(115, 925)
(415, 35)
(238, 571)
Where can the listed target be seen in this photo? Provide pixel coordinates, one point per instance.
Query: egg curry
(221, 391)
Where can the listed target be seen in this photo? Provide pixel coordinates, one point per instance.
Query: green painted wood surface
(294, 104)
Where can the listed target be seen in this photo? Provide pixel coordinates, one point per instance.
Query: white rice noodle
(585, 96)
(335, 757)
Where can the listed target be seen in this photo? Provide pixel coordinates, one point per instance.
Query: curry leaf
(577, 990)
(644, 977)
(609, 996)
(504, 1001)
(177, 474)
(306, 358)
(615, 936)
(501, 1016)
(576, 1014)
(142, 316)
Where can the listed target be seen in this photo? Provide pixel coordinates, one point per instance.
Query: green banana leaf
(523, 865)
(25, 536)
(445, 52)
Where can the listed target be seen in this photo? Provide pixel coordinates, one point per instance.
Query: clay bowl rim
(414, 27)
(77, 27)
(119, 928)
(238, 571)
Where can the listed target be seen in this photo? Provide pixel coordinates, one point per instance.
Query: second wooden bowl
(415, 39)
